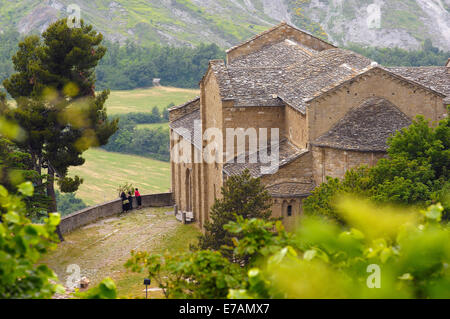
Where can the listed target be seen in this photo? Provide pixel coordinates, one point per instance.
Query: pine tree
(57, 105)
(242, 195)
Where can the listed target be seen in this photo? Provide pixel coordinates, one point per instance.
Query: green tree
(57, 106)
(68, 203)
(416, 172)
(156, 113)
(14, 170)
(195, 275)
(242, 195)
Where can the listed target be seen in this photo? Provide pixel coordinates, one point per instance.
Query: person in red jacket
(138, 198)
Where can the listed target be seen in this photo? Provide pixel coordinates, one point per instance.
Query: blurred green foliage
(383, 252)
(411, 251)
(106, 289)
(204, 274)
(21, 245)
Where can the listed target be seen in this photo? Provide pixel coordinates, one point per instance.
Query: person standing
(123, 196)
(138, 198)
(130, 200)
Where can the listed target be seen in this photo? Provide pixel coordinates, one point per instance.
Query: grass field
(101, 249)
(143, 100)
(103, 171)
(153, 126)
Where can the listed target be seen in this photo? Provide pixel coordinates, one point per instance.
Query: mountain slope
(405, 23)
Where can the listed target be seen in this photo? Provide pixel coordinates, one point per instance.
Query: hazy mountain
(404, 23)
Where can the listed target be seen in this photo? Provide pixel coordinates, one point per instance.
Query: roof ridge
(176, 107)
(183, 116)
(367, 70)
(283, 23)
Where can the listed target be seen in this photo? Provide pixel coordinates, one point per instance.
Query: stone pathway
(101, 249)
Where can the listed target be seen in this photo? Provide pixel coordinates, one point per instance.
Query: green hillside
(155, 21)
(143, 100)
(403, 24)
(104, 171)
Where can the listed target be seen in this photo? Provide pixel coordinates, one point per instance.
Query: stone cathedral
(334, 110)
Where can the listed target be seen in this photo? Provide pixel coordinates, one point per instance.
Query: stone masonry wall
(326, 111)
(296, 127)
(177, 112)
(92, 214)
(300, 170)
(334, 163)
(253, 117)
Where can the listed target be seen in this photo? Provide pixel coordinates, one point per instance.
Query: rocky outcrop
(403, 24)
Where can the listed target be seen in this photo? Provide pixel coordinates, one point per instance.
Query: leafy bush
(411, 251)
(21, 245)
(198, 275)
(415, 173)
(105, 290)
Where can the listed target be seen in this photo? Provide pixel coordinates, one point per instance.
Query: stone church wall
(253, 117)
(296, 127)
(326, 111)
(334, 163)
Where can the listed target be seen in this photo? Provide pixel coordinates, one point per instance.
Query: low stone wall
(94, 213)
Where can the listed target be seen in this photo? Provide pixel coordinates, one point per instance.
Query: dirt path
(101, 249)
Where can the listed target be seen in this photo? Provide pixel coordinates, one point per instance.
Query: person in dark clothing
(138, 198)
(130, 201)
(123, 196)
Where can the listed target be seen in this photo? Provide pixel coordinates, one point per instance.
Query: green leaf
(26, 189)
(406, 276)
(3, 191)
(12, 217)
(54, 219)
(309, 254)
(434, 212)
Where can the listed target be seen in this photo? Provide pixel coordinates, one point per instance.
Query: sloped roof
(310, 78)
(291, 189)
(365, 128)
(176, 107)
(292, 83)
(278, 54)
(287, 154)
(282, 24)
(189, 127)
(436, 78)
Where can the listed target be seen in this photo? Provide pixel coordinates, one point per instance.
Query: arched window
(289, 210)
